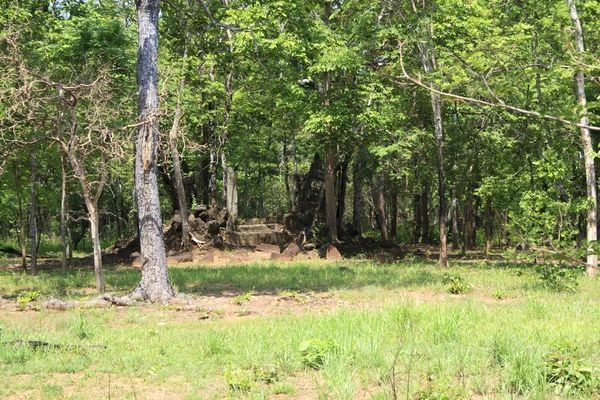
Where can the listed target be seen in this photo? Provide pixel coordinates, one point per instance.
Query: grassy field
(352, 330)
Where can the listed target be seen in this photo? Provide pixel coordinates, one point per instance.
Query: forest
(468, 122)
(305, 149)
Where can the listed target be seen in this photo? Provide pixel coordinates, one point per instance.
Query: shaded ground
(364, 249)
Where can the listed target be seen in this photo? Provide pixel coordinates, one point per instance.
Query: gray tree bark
(91, 204)
(97, 249)
(428, 61)
(588, 148)
(154, 285)
(232, 197)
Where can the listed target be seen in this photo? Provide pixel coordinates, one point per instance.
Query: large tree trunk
(154, 285)
(33, 217)
(588, 148)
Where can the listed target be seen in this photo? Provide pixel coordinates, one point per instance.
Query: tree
(154, 285)
(588, 148)
(77, 114)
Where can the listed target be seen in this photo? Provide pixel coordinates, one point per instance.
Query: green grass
(276, 277)
(397, 317)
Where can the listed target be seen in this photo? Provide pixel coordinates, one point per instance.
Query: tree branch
(465, 99)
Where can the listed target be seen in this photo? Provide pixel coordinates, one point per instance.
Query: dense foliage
(262, 86)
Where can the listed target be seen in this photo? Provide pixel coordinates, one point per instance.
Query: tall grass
(437, 347)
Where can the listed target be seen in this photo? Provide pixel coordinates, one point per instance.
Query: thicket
(261, 87)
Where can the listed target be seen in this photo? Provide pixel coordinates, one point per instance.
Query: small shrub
(268, 375)
(567, 373)
(242, 299)
(243, 380)
(499, 294)
(28, 297)
(81, 327)
(456, 284)
(239, 380)
(314, 351)
(559, 278)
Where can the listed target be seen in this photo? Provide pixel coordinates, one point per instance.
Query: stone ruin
(208, 226)
(278, 237)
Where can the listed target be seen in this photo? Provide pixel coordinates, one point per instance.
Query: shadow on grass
(271, 278)
(235, 278)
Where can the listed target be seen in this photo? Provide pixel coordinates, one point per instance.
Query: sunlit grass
(439, 345)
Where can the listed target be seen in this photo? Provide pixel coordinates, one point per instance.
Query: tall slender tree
(154, 285)
(588, 148)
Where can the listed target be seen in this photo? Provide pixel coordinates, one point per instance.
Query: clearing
(306, 330)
